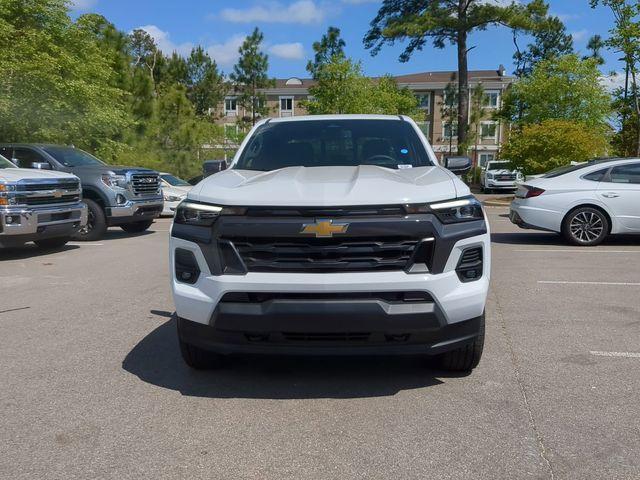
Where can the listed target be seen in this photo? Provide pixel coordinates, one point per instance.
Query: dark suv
(128, 197)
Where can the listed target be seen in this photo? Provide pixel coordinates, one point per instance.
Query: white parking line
(582, 250)
(616, 354)
(563, 282)
(82, 244)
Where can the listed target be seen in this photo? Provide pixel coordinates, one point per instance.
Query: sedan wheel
(585, 226)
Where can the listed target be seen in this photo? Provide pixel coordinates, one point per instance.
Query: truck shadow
(156, 360)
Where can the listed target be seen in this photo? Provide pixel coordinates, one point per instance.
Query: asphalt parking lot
(93, 386)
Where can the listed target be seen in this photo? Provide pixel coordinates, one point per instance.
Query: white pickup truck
(38, 206)
(330, 235)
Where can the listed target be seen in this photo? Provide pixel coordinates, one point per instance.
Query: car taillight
(533, 191)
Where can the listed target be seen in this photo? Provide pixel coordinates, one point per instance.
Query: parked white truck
(332, 235)
(38, 206)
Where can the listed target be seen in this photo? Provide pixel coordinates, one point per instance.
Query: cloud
(225, 54)
(566, 17)
(360, 2)
(301, 11)
(82, 5)
(164, 42)
(613, 81)
(288, 51)
(580, 35)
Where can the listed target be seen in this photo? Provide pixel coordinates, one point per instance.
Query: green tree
(57, 82)
(250, 76)
(329, 46)
(625, 40)
(175, 70)
(564, 88)
(205, 82)
(343, 88)
(145, 54)
(595, 46)
(478, 110)
(447, 21)
(553, 143)
(449, 113)
(550, 40)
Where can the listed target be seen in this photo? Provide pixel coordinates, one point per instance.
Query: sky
(291, 26)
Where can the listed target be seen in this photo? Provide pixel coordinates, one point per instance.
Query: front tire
(585, 227)
(96, 225)
(137, 227)
(52, 243)
(196, 357)
(466, 358)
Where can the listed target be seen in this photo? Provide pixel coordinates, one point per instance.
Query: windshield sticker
(403, 167)
(404, 151)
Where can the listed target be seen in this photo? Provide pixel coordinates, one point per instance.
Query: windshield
(4, 163)
(334, 143)
(174, 181)
(72, 157)
(498, 165)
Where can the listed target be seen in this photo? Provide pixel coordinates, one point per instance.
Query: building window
(231, 106)
(489, 130)
(491, 99)
(424, 101)
(425, 127)
(286, 106)
(449, 130)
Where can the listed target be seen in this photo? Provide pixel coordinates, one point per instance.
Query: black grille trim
(327, 212)
(72, 198)
(325, 255)
(388, 297)
(36, 187)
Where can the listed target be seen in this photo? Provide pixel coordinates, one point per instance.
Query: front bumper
(501, 185)
(34, 223)
(444, 322)
(136, 210)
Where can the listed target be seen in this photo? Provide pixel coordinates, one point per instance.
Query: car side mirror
(41, 165)
(214, 166)
(458, 165)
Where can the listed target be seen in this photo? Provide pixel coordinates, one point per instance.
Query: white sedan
(584, 203)
(174, 190)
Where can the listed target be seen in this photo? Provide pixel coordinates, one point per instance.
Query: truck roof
(303, 118)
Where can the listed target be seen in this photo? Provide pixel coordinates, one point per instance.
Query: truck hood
(329, 186)
(16, 174)
(502, 171)
(117, 169)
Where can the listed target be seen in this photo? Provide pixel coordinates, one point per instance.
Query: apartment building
(285, 100)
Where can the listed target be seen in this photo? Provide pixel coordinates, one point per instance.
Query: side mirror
(458, 165)
(41, 165)
(214, 166)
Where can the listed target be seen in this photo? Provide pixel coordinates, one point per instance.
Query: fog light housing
(12, 220)
(186, 265)
(471, 264)
(120, 199)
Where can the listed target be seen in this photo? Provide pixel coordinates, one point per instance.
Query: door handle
(610, 195)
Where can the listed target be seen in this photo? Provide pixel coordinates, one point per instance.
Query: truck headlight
(462, 210)
(489, 175)
(202, 214)
(112, 180)
(453, 211)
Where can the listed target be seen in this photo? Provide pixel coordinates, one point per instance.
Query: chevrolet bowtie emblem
(324, 228)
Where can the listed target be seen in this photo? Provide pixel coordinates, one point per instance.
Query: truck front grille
(320, 255)
(506, 177)
(47, 192)
(145, 183)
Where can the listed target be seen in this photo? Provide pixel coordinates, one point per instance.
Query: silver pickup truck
(38, 206)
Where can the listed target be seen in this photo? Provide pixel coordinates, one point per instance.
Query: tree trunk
(463, 86)
(636, 104)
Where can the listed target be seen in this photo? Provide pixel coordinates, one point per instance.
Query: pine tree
(329, 46)
(250, 76)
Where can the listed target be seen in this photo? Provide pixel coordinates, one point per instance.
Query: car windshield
(72, 157)
(174, 181)
(4, 163)
(498, 165)
(334, 143)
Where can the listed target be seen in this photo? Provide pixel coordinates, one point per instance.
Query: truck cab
(39, 206)
(128, 197)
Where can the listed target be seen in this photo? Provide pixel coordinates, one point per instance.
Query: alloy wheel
(587, 226)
